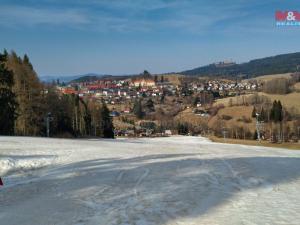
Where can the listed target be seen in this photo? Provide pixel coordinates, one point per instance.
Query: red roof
(69, 91)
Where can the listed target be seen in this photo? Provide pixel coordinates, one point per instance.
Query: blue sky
(69, 37)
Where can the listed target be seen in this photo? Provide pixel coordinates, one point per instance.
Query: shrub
(244, 119)
(214, 110)
(226, 117)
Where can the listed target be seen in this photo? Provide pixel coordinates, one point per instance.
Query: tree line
(25, 104)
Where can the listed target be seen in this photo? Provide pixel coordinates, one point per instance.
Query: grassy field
(289, 100)
(187, 116)
(297, 87)
(236, 112)
(174, 78)
(294, 146)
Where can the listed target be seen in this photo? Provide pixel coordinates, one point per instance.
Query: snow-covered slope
(178, 180)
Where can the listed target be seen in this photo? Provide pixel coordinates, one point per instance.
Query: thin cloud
(123, 16)
(20, 15)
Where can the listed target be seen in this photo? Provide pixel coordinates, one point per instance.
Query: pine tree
(146, 74)
(262, 115)
(273, 111)
(27, 61)
(280, 112)
(150, 105)
(137, 109)
(276, 113)
(106, 124)
(8, 102)
(254, 112)
(183, 129)
(255, 135)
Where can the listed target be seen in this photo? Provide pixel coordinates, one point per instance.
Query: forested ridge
(25, 104)
(285, 63)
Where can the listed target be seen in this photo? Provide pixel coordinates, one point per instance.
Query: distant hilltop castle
(225, 63)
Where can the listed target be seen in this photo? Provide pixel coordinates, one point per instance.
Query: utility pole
(49, 118)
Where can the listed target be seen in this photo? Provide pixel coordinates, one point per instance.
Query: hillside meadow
(270, 77)
(289, 100)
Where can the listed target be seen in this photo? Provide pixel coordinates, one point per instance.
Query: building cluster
(117, 91)
(219, 85)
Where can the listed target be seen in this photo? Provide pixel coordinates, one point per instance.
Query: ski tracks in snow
(142, 177)
(135, 203)
(186, 181)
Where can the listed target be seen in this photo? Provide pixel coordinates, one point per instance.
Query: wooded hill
(86, 78)
(100, 77)
(285, 63)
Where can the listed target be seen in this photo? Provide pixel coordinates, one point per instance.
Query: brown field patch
(187, 116)
(271, 77)
(236, 112)
(297, 87)
(288, 101)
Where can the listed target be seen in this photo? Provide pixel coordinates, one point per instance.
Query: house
(68, 90)
(168, 132)
(127, 110)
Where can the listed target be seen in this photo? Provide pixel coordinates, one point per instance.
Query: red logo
(287, 16)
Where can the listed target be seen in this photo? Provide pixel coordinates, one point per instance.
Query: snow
(164, 181)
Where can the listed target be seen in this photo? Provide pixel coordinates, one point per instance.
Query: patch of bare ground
(288, 145)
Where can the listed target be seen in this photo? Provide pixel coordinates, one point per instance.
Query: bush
(214, 110)
(244, 119)
(226, 117)
(183, 129)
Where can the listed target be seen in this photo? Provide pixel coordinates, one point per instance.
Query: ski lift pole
(224, 131)
(49, 118)
(258, 127)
